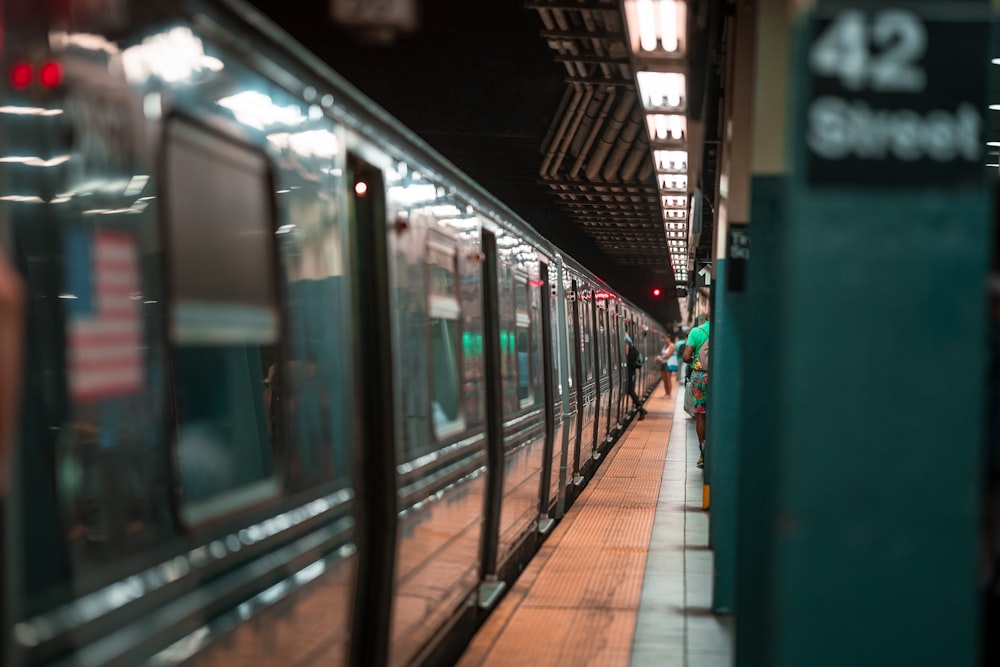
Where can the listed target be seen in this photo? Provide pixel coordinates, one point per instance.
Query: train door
(651, 349)
(609, 371)
(524, 418)
(439, 462)
(570, 375)
(617, 365)
(565, 403)
(556, 407)
(623, 331)
(640, 346)
(575, 316)
(633, 332)
(596, 372)
(517, 424)
(550, 474)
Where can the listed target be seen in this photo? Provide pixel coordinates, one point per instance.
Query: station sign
(737, 256)
(897, 94)
(704, 276)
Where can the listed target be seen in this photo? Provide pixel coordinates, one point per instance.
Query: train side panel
(436, 312)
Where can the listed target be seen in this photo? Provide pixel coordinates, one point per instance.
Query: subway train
(295, 390)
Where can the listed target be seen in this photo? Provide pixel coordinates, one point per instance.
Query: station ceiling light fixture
(657, 31)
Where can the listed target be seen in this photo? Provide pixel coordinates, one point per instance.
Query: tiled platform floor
(625, 579)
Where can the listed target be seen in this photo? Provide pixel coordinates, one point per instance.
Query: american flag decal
(105, 322)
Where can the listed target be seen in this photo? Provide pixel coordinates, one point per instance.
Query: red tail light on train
(50, 75)
(23, 75)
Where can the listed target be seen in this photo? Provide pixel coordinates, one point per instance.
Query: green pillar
(725, 386)
(758, 451)
(863, 542)
(767, 216)
(725, 429)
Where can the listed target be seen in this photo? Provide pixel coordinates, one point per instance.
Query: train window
(441, 262)
(317, 378)
(602, 338)
(522, 321)
(223, 322)
(445, 337)
(521, 296)
(571, 336)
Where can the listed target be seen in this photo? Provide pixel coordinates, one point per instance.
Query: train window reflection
(522, 343)
(445, 338)
(602, 343)
(441, 264)
(523, 366)
(521, 297)
(222, 320)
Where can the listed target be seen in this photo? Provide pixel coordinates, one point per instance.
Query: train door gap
(545, 522)
(376, 488)
(491, 588)
(580, 380)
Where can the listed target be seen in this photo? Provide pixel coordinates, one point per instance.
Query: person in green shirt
(699, 382)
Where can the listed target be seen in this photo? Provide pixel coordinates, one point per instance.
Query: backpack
(703, 356)
(634, 359)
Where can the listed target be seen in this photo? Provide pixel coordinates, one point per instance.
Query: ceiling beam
(601, 187)
(583, 34)
(592, 60)
(565, 4)
(595, 81)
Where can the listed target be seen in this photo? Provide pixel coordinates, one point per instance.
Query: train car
(296, 390)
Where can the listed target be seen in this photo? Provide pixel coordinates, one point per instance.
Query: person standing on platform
(633, 363)
(698, 359)
(678, 355)
(667, 358)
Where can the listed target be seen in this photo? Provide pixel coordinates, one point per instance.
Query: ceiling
(536, 101)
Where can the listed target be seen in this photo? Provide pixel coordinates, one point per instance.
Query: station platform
(626, 577)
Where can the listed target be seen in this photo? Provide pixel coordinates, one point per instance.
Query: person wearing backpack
(633, 362)
(696, 353)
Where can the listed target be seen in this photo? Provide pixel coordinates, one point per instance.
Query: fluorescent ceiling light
(664, 91)
(671, 161)
(656, 26)
(673, 182)
(666, 127)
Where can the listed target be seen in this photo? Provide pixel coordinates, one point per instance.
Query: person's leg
(667, 381)
(699, 427)
(699, 391)
(635, 397)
